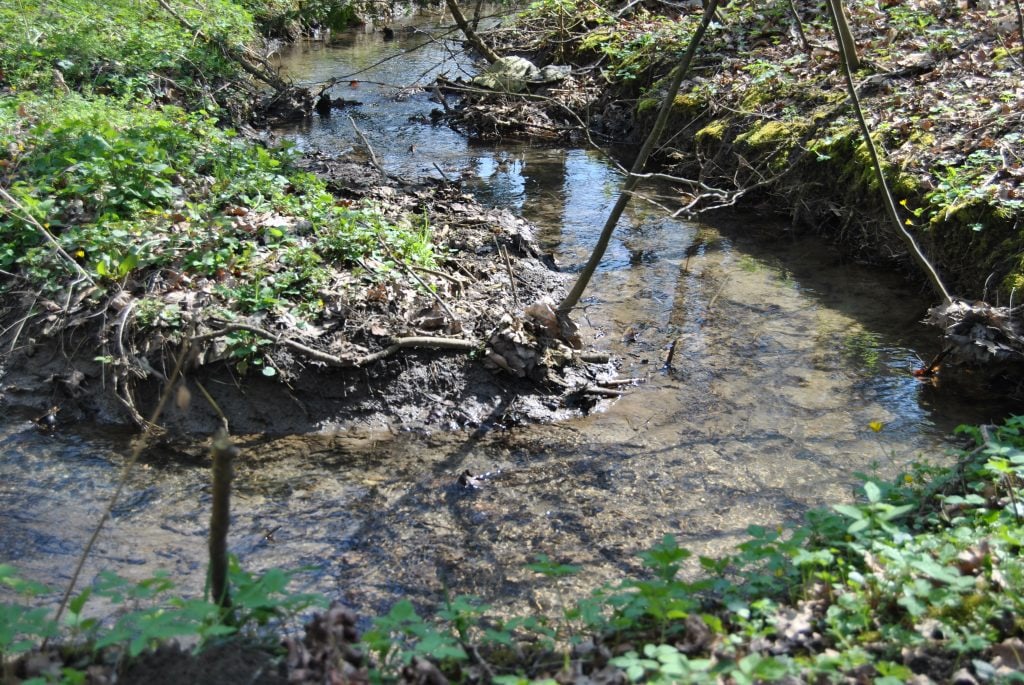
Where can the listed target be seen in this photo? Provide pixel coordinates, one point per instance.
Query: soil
(509, 364)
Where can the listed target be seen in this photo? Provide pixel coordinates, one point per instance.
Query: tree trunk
(843, 34)
(890, 204)
(471, 35)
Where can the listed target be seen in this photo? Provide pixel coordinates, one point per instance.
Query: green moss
(713, 131)
(772, 133)
(688, 101)
(1015, 281)
(647, 104)
(756, 97)
(905, 185)
(922, 138)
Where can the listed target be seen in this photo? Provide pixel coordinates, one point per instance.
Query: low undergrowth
(128, 191)
(120, 154)
(921, 577)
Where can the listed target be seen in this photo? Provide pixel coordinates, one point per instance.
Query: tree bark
(472, 36)
(223, 453)
(843, 34)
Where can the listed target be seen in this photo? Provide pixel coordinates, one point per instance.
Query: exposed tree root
(426, 342)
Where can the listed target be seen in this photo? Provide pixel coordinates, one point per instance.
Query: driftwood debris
(979, 334)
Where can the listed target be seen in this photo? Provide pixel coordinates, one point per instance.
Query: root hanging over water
(981, 335)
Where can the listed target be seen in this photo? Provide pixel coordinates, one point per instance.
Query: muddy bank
(465, 344)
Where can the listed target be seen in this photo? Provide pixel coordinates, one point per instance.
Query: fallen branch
(488, 54)
(612, 382)
(603, 392)
(369, 148)
(427, 342)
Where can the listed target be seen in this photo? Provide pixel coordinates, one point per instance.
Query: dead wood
(471, 35)
(427, 342)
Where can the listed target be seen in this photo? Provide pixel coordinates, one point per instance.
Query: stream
(785, 352)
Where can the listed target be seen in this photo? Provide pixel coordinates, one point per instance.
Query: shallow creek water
(785, 352)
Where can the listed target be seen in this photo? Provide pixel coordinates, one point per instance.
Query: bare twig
(503, 253)
(604, 392)
(570, 300)
(137, 449)
(404, 267)
(849, 56)
(369, 148)
(20, 324)
(612, 382)
(799, 26)
(671, 353)
(213, 404)
(443, 175)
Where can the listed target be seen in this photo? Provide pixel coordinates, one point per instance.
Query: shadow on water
(784, 352)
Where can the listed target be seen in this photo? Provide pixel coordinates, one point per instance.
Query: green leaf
(850, 510)
(936, 571)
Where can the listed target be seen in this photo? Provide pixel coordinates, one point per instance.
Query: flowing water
(784, 352)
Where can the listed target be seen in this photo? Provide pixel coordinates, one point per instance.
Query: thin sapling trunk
(676, 79)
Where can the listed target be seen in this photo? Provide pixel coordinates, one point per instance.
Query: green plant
(21, 627)
(148, 612)
(402, 634)
(874, 518)
(665, 664)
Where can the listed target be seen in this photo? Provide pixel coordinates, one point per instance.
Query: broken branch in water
(369, 148)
